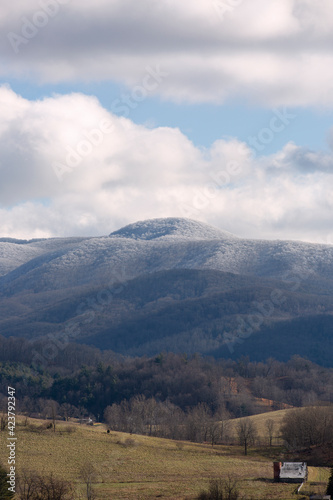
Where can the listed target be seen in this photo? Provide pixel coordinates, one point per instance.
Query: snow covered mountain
(185, 229)
(43, 283)
(150, 246)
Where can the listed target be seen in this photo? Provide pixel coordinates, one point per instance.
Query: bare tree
(88, 474)
(27, 486)
(198, 423)
(50, 410)
(3, 421)
(138, 414)
(171, 421)
(53, 488)
(32, 486)
(151, 415)
(67, 411)
(115, 418)
(308, 426)
(221, 489)
(223, 416)
(214, 431)
(4, 414)
(269, 424)
(54, 406)
(5, 493)
(246, 432)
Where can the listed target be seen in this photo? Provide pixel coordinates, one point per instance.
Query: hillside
(139, 467)
(172, 284)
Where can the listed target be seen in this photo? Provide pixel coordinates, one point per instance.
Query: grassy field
(139, 467)
(260, 423)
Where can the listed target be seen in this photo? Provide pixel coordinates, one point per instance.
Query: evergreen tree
(329, 490)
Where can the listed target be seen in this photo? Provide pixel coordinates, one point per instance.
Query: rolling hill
(134, 467)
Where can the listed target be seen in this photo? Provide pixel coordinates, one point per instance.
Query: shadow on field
(264, 480)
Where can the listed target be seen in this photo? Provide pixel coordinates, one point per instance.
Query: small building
(290, 472)
(87, 421)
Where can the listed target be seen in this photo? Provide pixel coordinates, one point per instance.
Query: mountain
(172, 228)
(171, 284)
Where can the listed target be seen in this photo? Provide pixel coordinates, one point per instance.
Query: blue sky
(114, 111)
(203, 123)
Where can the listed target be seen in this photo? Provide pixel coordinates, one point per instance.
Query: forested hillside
(84, 381)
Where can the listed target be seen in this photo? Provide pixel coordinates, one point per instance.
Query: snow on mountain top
(151, 246)
(169, 228)
(15, 252)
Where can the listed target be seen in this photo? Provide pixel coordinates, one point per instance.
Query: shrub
(32, 486)
(221, 489)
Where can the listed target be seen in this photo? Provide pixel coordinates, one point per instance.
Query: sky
(113, 111)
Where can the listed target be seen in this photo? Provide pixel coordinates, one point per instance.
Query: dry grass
(260, 422)
(317, 481)
(140, 467)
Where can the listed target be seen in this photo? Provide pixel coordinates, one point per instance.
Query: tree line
(84, 381)
(164, 419)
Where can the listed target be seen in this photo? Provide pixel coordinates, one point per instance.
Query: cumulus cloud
(273, 53)
(70, 167)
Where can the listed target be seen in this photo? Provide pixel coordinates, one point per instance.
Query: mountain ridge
(44, 284)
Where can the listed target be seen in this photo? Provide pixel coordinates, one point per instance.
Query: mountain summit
(171, 227)
(172, 284)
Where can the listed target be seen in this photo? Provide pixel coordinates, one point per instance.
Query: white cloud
(115, 172)
(273, 53)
